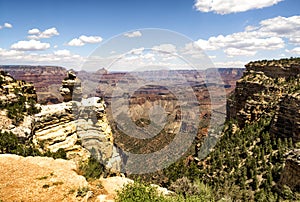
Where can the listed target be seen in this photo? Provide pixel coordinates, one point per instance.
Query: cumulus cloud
(288, 27)
(62, 52)
(82, 40)
(32, 45)
(9, 53)
(236, 52)
(170, 48)
(34, 31)
(37, 34)
(231, 64)
(133, 34)
(75, 42)
(90, 39)
(63, 57)
(242, 43)
(270, 34)
(295, 51)
(232, 6)
(6, 25)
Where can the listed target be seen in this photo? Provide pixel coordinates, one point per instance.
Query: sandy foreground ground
(45, 179)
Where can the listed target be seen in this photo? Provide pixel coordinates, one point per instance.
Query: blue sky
(65, 33)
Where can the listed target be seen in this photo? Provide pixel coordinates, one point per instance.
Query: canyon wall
(272, 89)
(46, 80)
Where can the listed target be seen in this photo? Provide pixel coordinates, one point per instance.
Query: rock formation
(46, 80)
(291, 173)
(17, 100)
(260, 90)
(11, 89)
(79, 126)
(286, 122)
(272, 89)
(71, 87)
(55, 127)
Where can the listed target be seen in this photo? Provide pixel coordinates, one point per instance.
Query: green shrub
(138, 191)
(10, 143)
(59, 154)
(92, 170)
(82, 191)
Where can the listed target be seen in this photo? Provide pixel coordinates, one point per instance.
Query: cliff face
(261, 89)
(11, 88)
(286, 122)
(55, 128)
(272, 89)
(46, 80)
(291, 173)
(17, 100)
(80, 127)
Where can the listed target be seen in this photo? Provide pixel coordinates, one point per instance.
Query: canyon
(86, 114)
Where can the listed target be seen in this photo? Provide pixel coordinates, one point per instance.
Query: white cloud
(90, 39)
(237, 52)
(82, 40)
(61, 57)
(75, 42)
(10, 53)
(295, 51)
(136, 51)
(231, 64)
(7, 25)
(37, 34)
(31, 45)
(288, 27)
(242, 43)
(62, 52)
(232, 6)
(269, 35)
(133, 34)
(34, 31)
(281, 25)
(170, 48)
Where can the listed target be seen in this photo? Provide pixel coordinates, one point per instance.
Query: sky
(72, 33)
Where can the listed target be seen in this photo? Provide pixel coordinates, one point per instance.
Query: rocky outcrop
(260, 90)
(46, 80)
(55, 128)
(286, 122)
(79, 127)
(11, 89)
(71, 87)
(291, 173)
(17, 100)
(95, 132)
(272, 89)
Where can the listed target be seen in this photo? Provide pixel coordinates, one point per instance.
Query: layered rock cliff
(272, 89)
(286, 122)
(260, 91)
(46, 80)
(17, 105)
(79, 126)
(291, 173)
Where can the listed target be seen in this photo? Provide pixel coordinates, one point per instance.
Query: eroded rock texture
(79, 126)
(46, 80)
(286, 122)
(272, 89)
(291, 172)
